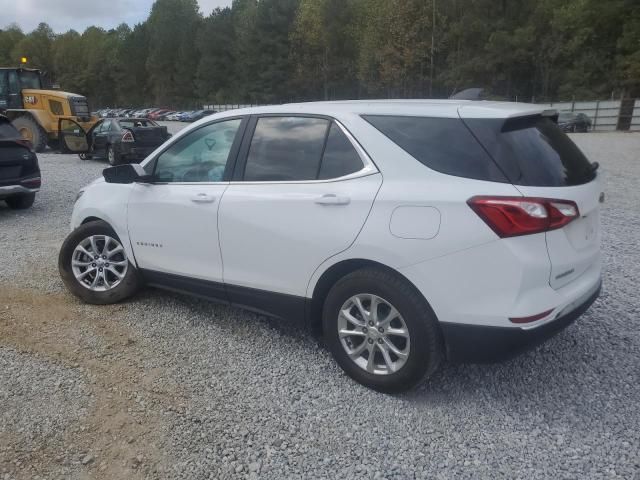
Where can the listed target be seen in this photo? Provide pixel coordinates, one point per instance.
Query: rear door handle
(203, 198)
(331, 199)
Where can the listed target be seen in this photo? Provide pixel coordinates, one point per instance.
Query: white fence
(604, 114)
(635, 119)
(230, 106)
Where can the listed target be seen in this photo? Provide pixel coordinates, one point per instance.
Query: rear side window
(340, 158)
(442, 144)
(533, 151)
(286, 149)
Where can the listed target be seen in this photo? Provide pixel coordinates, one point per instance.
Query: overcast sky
(63, 15)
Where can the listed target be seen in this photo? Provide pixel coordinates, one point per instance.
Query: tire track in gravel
(120, 437)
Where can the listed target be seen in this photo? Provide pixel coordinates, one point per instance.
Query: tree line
(270, 51)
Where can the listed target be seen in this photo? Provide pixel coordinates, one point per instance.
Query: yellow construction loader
(36, 112)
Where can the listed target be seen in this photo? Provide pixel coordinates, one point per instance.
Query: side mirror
(127, 173)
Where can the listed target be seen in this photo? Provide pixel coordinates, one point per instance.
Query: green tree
(173, 58)
(9, 37)
(215, 74)
(324, 49)
(395, 46)
(36, 46)
(131, 72)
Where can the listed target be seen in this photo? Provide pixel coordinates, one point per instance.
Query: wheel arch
(334, 273)
(94, 219)
(123, 235)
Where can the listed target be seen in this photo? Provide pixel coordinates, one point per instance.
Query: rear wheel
(113, 156)
(32, 131)
(21, 202)
(381, 331)
(85, 156)
(94, 266)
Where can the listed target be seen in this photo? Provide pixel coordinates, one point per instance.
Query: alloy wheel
(99, 263)
(373, 334)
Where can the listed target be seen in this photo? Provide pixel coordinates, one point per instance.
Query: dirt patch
(122, 434)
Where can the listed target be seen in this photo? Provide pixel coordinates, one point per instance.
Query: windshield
(30, 79)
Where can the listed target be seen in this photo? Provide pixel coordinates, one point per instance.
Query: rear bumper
(135, 153)
(482, 344)
(11, 190)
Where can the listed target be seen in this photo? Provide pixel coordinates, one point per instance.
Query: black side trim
(272, 304)
(478, 344)
(191, 286)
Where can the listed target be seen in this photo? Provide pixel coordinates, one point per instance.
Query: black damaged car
(119, 140)
(19, 169)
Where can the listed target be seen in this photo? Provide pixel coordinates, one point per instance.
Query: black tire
(426, 348)
(113, 156)
(129, 285)
(37, 133)
(85, 156)
(21, 202)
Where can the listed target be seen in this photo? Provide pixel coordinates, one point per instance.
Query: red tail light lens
(515, 216)
(128, 137)
(532, 318)
(35, 182)
(25, 143)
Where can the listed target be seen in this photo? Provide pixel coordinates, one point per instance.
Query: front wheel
(85, 156)
(94, 266)
(381, 331)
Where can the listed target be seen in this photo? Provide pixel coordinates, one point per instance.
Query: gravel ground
(165, 386)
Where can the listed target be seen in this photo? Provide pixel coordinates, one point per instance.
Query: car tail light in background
(25, 143)
(34, 182)
(514, 216)
(128, 137)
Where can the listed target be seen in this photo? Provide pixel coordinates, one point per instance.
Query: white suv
(406, 231)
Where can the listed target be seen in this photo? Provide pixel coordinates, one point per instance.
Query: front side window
(200, 156)
(299, 149)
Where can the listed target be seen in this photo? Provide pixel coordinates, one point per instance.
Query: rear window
(533, 151)
(442, 144)
(137, 123)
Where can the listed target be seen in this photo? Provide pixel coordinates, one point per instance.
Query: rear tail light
(128, 137)
(515, 216)
(25, 143)
(35, 182)
(532, 318)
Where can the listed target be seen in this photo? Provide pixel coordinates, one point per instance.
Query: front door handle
(203, 198)
(331, 199)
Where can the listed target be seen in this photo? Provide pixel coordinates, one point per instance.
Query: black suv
(19, 170)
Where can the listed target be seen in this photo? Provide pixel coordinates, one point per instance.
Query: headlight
(78, 195)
